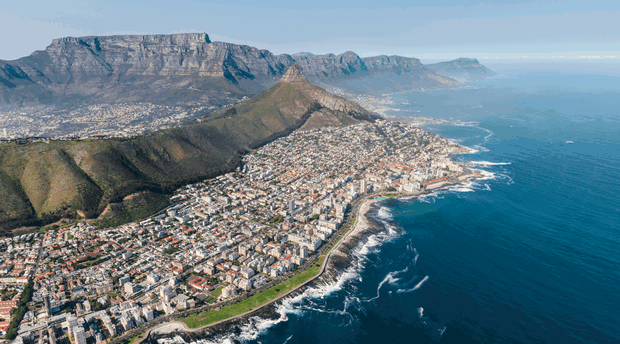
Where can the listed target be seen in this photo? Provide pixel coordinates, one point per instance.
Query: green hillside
(41, 183)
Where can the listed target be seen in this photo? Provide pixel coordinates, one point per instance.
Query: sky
(440, 29)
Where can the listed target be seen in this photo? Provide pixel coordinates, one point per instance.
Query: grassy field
(90, 263)
(211, 316)
(137, 338)
(217, 292)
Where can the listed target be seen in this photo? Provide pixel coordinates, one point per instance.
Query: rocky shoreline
(339, 261)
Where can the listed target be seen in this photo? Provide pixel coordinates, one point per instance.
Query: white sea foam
(389, 278)
(462, 188)
(384, 213)
(417, 286)
(298, 304)
(488, 163)
(304, 301)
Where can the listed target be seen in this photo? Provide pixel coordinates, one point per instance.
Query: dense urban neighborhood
(94, 121)
(219, 241)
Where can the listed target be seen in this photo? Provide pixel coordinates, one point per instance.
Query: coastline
(336, 260)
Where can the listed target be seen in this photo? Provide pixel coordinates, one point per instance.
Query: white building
(78, 335)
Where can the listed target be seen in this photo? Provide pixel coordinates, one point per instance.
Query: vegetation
(41, 183)
(217, 292)
(277, 219)
(137, 338)
(211, 316)
(91, 262)
(137, 207)
(18, 315)
(171, 250)
(96, 306)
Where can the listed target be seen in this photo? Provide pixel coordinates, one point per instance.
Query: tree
(22, 307)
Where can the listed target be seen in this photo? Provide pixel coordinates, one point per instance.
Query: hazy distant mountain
(187, 69)
(461, 66)
(372, 75)
(43, 182)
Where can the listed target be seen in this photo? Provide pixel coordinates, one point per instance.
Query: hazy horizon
(438, 29)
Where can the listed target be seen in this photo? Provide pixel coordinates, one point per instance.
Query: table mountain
(187, 69)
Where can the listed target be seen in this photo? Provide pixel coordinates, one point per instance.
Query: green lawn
(90, 263)
(211, 316)
(137, 338)
(217, 292)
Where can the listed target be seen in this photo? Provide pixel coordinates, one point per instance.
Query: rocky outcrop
(188, 68)
(294, 75)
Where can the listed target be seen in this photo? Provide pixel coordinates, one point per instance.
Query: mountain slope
(188, 69)
(47, 181)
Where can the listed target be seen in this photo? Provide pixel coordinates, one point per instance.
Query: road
(164, 321)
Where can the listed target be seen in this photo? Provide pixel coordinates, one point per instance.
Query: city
(97, 121)
(221, 239)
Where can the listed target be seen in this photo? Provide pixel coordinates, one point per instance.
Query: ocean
(528, 254)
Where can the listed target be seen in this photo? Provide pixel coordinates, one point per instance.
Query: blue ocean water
(529, 254)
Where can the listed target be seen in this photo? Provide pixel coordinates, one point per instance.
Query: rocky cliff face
(184, 68)
(294, 75)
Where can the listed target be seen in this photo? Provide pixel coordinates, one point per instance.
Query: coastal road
(359, 207)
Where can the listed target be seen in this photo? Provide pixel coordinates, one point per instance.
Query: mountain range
(189, 69)
(120, 180)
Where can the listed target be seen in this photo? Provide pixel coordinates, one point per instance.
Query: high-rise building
(51, 335)
(363, 186)
(4, 132)
(71, 323)
(78, 335)
(291, 206)
(48, 306)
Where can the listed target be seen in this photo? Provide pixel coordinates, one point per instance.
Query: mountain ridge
(188, 68)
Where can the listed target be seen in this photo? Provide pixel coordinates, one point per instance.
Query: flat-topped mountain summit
(43, 182)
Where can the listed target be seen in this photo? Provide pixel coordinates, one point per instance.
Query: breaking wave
(304, 301)
(313, 299)
(488, 163)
